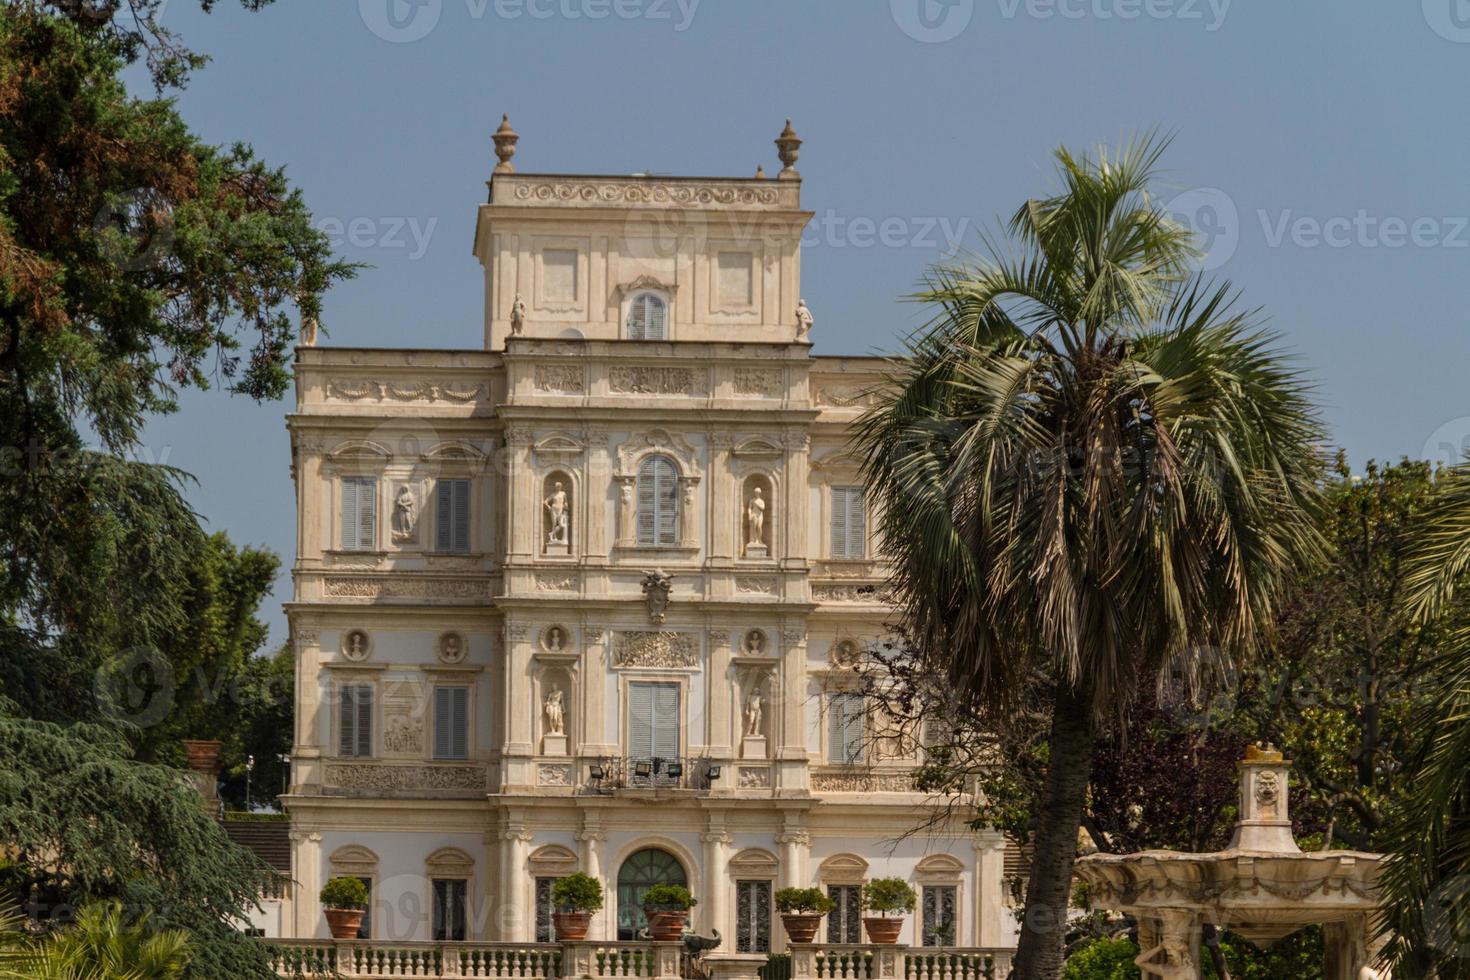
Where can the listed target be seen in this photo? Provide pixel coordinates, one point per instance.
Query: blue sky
(1320, 146)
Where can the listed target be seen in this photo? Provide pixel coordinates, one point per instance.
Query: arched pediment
(552, 860)
(455, 450)
(757, 446)
(839, 459)
(449, 859)
(940, 866)
(361, 449)
(754, 862)
(353, 859)
(660, 441)
(843, 868)
(647, 283)
(558, 443)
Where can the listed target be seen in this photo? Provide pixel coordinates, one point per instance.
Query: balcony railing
(841, 961)
(608, 774)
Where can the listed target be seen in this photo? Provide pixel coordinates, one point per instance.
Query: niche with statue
(756, 517)
(556, 514)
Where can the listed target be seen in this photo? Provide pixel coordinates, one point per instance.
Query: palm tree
(100, 945)
(1087, 465)
(1427, 885)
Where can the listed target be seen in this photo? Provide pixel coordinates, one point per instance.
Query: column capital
(592, 834)
(799, 837)
(524, 834)
(716, 837)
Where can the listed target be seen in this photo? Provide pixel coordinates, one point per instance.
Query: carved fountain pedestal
(1262, 888)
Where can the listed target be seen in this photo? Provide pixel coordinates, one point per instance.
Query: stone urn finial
(788, 145)
(505, 145)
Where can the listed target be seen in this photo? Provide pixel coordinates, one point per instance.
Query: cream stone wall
(560, 394)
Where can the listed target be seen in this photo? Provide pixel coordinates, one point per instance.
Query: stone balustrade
(382, 960)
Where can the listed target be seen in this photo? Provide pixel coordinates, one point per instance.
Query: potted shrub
(667, 908)
(891, 898)
(344, 903)
(801, 912)
(575, 897)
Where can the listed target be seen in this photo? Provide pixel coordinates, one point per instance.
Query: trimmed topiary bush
(662, 898)
(578, 892)
(344, 893)
(802, 901)
(889, 896)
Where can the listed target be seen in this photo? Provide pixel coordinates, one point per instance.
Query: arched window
(648, 317)
(658, 502)
(640, 872)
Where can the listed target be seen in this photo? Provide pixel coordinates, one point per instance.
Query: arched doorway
(640, 872)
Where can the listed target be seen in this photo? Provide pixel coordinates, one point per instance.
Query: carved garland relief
(656, 649)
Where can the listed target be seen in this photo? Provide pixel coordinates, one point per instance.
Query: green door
(639, 873)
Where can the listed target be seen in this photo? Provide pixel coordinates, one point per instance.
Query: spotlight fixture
(595, 773)
(642, 769)
(676, 769)
(712, 773)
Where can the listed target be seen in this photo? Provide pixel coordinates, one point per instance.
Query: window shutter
(347, 720)
(640, 721)
(654, 317)
(835, 728)
(853, 748)
(443, 515)
(668, 502)
(367, 512)
(364, 720)
(647, 500)
(857, 523)
(666, 721)
(839, 522)
(441, 723)
(636, 328)
(461, 515)
(349, 514)
(845, 728)
(459, 726)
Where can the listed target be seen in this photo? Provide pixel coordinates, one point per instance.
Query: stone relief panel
(758, 382)
(391, 778)
(682, 194)
(369, 389)
(753, 777)
(558, 378)
(400, 587)
(649, 380)
(656, 649)
(862, 781)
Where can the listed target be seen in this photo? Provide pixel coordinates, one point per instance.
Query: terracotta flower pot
(571, 926)
(801, 927)
(883, 930)
(344, 923)
(202, 755)
(667, 926)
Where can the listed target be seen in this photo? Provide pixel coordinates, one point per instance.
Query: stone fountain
(1262, 888)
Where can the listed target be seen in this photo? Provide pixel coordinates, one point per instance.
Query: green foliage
(663, 898)
(578, 892)
(104, 944)
(1103, 959)
(344, 893)
(803, 901)
(888, 895)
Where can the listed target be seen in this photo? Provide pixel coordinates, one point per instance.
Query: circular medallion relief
(846, 653)
(556, 639)
(356, 645)
(756, 644)
(452, 647)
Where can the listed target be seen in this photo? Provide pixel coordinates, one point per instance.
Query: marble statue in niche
(804, 320)
(517, 316)
(755, 520)
(355, 645)
(405, 515)
(556, 715)
(558, 519)
(755, 707)
(556, 639)
(755, 643)
(451, 648)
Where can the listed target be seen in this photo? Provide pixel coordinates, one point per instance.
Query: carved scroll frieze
(558, 377)
(370, 389)
(398, 587)
(686, 194)
(371, 776)
(658, 649)
(650, 380)
(760, 382)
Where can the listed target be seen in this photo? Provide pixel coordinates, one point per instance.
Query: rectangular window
(449, 909)
(355, 720)
(545, 932)
(452, 516)
(451, 723)
(752, 916)
(734, 278)
(849, 523)
(653, 721)
(845, 728)
(845, 922)
(939, 914)
(359, 513)
(559, 275)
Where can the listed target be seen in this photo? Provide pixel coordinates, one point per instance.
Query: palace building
(588, 595)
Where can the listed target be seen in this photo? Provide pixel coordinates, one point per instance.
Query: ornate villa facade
(588, 596)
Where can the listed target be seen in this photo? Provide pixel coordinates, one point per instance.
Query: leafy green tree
(1427, 885)
(1089, 464)
(104, 944)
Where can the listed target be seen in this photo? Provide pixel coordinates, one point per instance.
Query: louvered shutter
(367, 514)
(347, 720)
(668, 502)
(857, 523)
(845, 728)
(839, 522)
(452, 518)
(364, 720)
(854, 734)
(441, 722)
(461, 540)
(451, 722)
(640, 721)
(666, 721)
(636, 325)
(653, 318)
(349, 514)
(647, 500)
(443, 515)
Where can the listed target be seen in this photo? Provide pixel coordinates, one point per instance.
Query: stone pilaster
(791, 754)
(716, 877)
(306, 865)
(990, 862)
(590, 840)
(516, 895)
